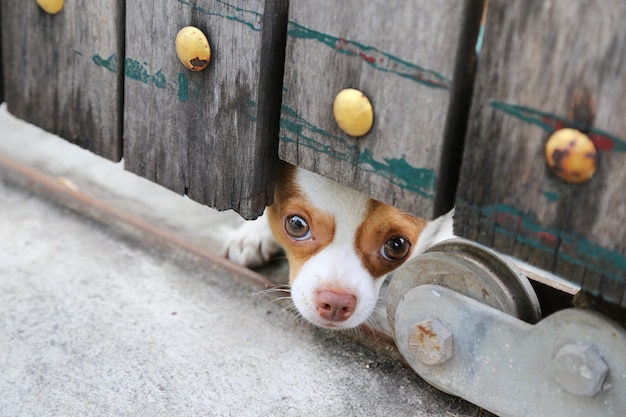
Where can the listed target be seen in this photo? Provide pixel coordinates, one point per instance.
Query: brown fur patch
(289, 200)
(383, 222)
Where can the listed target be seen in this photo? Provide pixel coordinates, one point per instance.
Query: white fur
(337, 267)
(436, 231)
(346, 205)
(252, 244)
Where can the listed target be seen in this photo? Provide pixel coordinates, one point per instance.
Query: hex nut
(430, 342)
(579, 369)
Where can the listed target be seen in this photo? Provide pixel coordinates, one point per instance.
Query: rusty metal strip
(128, 224)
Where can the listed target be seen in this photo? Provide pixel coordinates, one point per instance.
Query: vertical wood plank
(52, 73)
(402, 55)
(211, 135)
(1, 80)
(535, 65)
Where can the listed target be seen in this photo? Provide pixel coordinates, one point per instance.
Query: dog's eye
(297, 228)
(395, 248)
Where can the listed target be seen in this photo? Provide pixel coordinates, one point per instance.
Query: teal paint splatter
(551, 122)
(78, 52)
(421, 181)
(566, 245)
(373, 56)
(110, 63)
(183, 87)
(132, 69)
(197, 91)
(551, 195)
(396, 170)
(305, 132)
(248, 109)
(249, 18)
(136, 71)
(480, 39)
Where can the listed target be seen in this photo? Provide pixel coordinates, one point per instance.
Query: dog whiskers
(294, 316)
(372, 324)
(287, 306)
(290, 309)
(356, 331)
(278, 288)
(279, 301)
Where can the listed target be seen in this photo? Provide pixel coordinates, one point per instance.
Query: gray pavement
(97, 321)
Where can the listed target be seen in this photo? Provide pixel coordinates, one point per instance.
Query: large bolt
(579, 369)
(430, 342)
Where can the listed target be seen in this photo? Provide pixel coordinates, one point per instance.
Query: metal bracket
(469, 269)
(572, 363)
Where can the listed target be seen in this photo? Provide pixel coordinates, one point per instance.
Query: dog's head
(340, 246)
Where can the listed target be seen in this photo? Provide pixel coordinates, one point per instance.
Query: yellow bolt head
(353, 112)
(192, 48)
(51, 6)
(571, 155)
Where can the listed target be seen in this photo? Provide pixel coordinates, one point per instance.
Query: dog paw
(252, 244)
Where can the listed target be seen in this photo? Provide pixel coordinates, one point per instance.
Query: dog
(339, 243)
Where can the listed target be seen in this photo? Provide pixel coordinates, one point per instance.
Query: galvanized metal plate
(471, 270)
(512, 368)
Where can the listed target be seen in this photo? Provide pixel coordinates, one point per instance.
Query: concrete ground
(113, 303)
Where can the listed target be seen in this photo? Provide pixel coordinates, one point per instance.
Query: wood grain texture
(51, 74)
(538, 60)
(1, 81)
(401, 54)
(212, 134)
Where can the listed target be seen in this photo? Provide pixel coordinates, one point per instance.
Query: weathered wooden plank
(212, 134)
(402, 55)
(1, 81)
(536, 64)
(51, 73)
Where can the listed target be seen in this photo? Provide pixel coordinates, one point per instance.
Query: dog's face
(340, 246)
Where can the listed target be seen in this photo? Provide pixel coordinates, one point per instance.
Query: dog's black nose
(334, 306)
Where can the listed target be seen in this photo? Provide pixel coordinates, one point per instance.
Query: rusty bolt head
(579, 369)
(430, 342)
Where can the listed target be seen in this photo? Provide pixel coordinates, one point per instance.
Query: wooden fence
(461, 116)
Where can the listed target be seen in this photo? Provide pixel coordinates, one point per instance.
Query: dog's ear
(286, 172)
(436, 231)
(286, 184)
